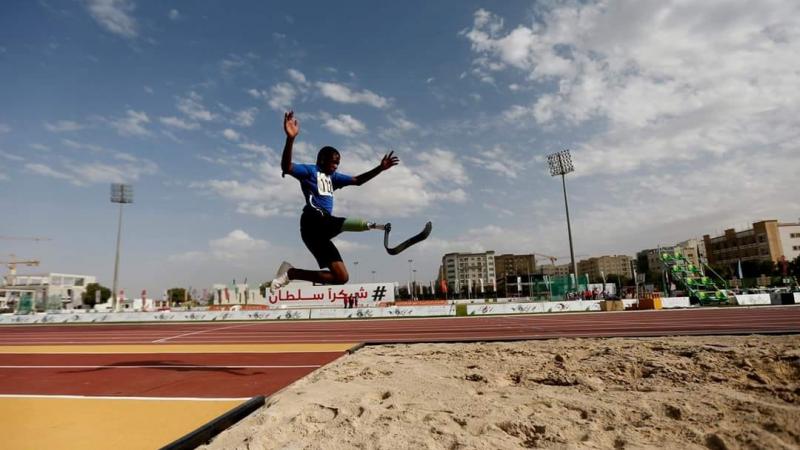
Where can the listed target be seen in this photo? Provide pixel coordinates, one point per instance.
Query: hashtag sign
(379, 293)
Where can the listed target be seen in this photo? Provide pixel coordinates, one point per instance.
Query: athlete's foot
(281, 277)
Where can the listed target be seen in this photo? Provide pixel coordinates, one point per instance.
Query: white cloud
(245, 117)
(192, 106)
(118, 167)
(174, 14)
(256, 148)
(343, 94)
(236, 247)
(132, 124)
(47, 171)
(231, 135)
(281, 96)
(114, 16)
(442, 166)
(62, 126)
(11, 156)
(686, 83)
(344, 124)
(297, 77)
(236, 244)
(496, 160)
(176, 122)
(5, 128)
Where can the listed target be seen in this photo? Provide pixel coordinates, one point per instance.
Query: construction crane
(24, 238)
(551, 258)
(12, 262)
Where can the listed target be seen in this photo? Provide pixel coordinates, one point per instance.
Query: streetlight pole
(373, 276)
(120, 193)
(409, 279)
(561, 164)
(355, 271)
(414, 283)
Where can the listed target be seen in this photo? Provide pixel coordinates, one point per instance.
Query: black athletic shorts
(317, 230)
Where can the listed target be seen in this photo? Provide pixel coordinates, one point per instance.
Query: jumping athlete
(318, 225)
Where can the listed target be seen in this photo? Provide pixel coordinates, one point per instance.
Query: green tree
(177, 295)
(89, 295)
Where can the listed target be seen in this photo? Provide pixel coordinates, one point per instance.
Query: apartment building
(508, 266)
(468, 272)
(607, 266)
(767, 240)
(561, 270)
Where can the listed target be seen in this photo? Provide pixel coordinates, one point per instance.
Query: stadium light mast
(122, 194)
(561, 164)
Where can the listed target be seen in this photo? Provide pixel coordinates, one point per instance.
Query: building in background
(469, 273)
(789, 234)
(766, 241)
(509, 267)
(53, 289)
(561, 270)
(600, 266)
(649, 260)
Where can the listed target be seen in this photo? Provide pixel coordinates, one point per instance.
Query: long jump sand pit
(717, 392)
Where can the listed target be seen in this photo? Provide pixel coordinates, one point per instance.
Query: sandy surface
(682, 392)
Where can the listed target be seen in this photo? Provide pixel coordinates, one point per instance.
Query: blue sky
(681, 117)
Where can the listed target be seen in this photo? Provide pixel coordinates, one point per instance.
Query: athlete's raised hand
(389, 160)
(290, 125)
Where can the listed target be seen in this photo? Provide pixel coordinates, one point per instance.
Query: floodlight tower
(122, 194)
(561, 164)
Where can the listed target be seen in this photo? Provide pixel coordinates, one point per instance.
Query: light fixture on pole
(122, 194)
(561, 164)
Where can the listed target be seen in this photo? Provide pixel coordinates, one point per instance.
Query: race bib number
(324, 184)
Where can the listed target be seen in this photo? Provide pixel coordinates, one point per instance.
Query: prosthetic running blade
(419, 237)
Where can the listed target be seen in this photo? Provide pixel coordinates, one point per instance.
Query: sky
(681, 118)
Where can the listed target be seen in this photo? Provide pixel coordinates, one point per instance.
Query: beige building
(606, 266)
(467, 272)
(561, 270)
(767, 240)
(507, 265)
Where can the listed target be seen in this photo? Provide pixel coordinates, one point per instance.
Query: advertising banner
(306, 295)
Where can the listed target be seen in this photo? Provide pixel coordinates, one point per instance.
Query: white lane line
(159, 341)
(163, 366)
(106, 397)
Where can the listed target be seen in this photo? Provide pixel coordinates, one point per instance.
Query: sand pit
(682, 392)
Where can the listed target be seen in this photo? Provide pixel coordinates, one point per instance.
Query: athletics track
(145, 385)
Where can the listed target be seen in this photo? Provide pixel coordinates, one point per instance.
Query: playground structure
(701, 287)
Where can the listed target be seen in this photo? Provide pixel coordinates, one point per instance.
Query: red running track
(206, 375)
(769, 319)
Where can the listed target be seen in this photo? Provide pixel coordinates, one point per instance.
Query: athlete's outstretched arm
(387, 162)
(291, 128)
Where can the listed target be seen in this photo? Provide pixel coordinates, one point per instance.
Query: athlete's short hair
(326, 153)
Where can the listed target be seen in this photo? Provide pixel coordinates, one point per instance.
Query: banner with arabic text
(305, 295)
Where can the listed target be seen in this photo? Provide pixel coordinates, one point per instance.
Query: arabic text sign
(366, 294)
